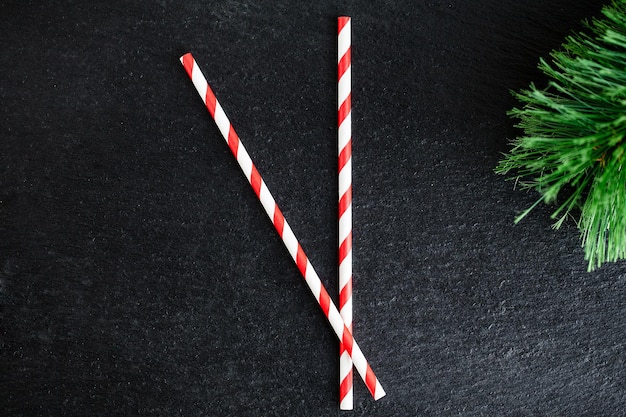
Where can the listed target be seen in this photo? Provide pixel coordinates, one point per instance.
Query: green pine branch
(572, 147)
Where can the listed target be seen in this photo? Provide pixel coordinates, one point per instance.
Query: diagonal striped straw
(344, 139)
(283, 229)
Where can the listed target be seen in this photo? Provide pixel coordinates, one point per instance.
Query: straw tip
(343, 23)
(182, 58)
(380, 392)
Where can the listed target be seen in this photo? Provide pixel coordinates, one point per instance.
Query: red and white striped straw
(344, 140)
(283, 229)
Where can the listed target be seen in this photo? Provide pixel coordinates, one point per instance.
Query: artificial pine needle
(573, 136)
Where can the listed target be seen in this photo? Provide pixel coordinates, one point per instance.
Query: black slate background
(140, 276)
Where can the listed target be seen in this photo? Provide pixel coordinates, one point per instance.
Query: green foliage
(572, 148)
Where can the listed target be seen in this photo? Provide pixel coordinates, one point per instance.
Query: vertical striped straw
(344, 139)
(280, 223)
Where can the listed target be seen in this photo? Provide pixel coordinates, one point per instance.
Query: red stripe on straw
(345, 155)
(233, 140)
(278, 220)
(345, 108)
(345, 247)
(325, 301)
(255, 181)
(188, 64)
(342, 21)
(345, 386)
(344, 63)
(348, 346)
(345, 293)
(211, 101)
(345, 201)
(301, 261)
(370, 378)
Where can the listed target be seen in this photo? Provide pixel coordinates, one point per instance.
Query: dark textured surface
(140, 276)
